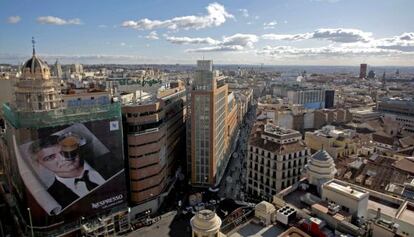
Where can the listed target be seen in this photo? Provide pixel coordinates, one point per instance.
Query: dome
(34, 65)
(35, 68)
(321, 155)
(320, 168)
(205, 221)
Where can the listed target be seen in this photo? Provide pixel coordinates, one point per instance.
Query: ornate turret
(35, 68)
(35, 91)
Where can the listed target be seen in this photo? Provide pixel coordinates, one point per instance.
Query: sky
(269, 32)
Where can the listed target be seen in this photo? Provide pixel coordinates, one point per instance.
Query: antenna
(34, 45)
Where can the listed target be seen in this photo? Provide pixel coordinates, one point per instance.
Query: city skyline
(290, 32)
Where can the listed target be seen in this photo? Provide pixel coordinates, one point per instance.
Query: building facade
(210, 125)
(276, 157)
(62, 162)
(154, 131)
(401, 111)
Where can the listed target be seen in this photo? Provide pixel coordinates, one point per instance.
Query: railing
(61, 116)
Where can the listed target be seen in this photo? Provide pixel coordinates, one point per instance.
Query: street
(232, 184)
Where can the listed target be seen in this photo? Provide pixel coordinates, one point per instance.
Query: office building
(155, 132)
(329, 99)
(275, 159)
(309, 97)
(399, 110)
(363, 70)
(213, 119)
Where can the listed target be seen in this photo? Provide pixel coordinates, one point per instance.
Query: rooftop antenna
(33, 45)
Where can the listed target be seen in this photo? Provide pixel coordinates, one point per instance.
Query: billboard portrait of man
(71, 164)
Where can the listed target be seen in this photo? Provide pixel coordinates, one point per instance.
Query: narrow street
(232, 184)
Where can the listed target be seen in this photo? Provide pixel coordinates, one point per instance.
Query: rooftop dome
(35, 64)
(320, 168)
(35, 68)
(205, 221)
(321, 155)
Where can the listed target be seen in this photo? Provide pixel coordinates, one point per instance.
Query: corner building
(155, 132)
(276, 157)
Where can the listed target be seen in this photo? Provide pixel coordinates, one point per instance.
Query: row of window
(285, 175)
(288, 164)
(135, 115)
(269, 154)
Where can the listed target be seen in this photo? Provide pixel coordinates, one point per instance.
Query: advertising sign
(73, 170)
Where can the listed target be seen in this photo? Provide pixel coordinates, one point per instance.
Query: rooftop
(345, 189)
(251, 229)
(278, 131)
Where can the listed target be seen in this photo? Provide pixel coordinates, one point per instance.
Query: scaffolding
(62, 116)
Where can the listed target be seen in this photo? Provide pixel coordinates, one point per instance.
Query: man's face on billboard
(52, 159)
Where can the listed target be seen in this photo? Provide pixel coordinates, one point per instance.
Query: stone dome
(320, 168)
(205, 221)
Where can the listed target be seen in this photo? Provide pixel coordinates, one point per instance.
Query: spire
(33, 45)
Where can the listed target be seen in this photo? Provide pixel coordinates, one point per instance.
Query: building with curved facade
(154, 131)
(206, 223)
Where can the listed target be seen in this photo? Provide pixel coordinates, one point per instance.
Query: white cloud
(340, 51)
(123, 44)
(216, 15)
(236, 42)
(221, 48)
(269, 25)
(152, 35)
(188, 40)
(292, 37)
(403, 42)
(53, 20)
(244, 40)
(102, 26)
(342, 35)
(244, 12)
(335, 35)
(13, 19)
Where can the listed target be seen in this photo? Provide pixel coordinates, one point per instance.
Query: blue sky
(299, 32)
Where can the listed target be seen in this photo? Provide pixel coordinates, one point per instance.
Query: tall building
(155, 131)
(275, 159)
(64, 164)
(363, 70)
(209, 125)
(329, 99)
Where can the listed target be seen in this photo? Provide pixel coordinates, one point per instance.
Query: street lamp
(30, 220)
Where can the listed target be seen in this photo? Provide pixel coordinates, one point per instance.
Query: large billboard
(72, 171)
